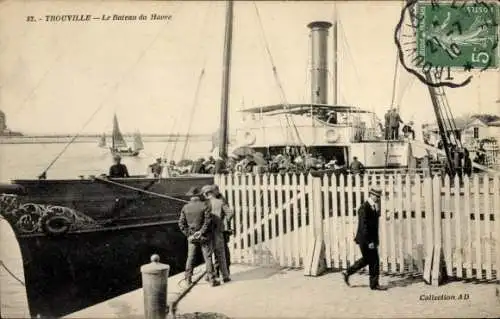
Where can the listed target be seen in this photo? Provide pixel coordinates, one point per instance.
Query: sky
(67, 77)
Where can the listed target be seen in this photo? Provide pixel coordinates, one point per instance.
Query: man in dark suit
(195, 224)
(118, 170)
(367, 239)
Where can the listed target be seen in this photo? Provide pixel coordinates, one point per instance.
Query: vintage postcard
(249, 159)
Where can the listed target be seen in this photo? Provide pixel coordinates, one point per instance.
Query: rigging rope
(394, 80)
(11, 273)
(43, 175)
(193, 108)
(349, 53)
(196, 97)
(290, 121)
(140, 190)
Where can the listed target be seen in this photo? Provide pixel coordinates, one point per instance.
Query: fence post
(155, 286)
(315, 263)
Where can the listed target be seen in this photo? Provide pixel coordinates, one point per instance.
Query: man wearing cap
(228, 229)
(118, 170)
(195, 224)
(219, 210)
(367, 239)
(156, 168)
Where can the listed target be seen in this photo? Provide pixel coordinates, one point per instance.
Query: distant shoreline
(90, 138)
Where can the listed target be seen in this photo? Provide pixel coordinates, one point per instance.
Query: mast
(113, 133)
(226, 78)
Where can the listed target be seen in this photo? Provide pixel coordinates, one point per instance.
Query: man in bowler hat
(367, 239)
(195, 224)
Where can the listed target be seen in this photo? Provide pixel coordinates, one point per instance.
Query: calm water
(18, 161)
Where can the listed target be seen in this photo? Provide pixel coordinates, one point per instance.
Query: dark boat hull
(115, 230)
(124, 152)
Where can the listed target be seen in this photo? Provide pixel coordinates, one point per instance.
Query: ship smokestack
(319, 69)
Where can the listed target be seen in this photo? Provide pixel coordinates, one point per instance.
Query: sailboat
(119, 145)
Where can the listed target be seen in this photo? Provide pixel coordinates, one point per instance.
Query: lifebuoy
(55, 225)
(331, 136)
(249, 138)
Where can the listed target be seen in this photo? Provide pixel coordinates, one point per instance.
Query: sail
(138, 145)
(118, 140)
(102, 141)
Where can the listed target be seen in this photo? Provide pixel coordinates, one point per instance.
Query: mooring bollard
(155, 287)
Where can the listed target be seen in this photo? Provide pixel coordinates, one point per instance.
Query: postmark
(448, 43)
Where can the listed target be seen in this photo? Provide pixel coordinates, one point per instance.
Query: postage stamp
(452, 41)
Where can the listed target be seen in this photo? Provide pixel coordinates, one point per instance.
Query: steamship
(83, 240)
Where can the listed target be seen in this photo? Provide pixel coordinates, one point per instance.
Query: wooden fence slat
(266, 212)
(392, 240)
(250, 232)
(477, 223)
(237, 219)
(274, 237)
(281, 228)
(288, 224)
(245, 214)
(258, 216)
(310, 202)
(399, 223)
(303, 218)
(458, 260)
(447, 226)
(496, 212)
(342, 223)
(296, 242)
(419, 224)
(429, 236)
(325, 189)
(487, 223)
(408, 199)
(436, 197)
(468, 222)
(350, 220)
(383, 219)
(335, 223)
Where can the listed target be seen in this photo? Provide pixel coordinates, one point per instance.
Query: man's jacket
(368, 220)
(195, 216)
(221, 215)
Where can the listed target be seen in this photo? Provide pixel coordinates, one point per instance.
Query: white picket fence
(277, 217)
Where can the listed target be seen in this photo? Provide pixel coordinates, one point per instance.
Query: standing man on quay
(194, 223)
(368, 240)
(220, 212)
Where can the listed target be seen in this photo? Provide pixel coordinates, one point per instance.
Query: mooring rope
(141, 190)
(11, 273)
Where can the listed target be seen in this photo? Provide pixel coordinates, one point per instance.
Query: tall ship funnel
(319, 68)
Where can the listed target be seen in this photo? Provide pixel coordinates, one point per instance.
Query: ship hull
(114, 231)
(74, 271)
(115, 152)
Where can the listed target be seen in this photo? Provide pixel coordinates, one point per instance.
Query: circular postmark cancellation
(447, 43)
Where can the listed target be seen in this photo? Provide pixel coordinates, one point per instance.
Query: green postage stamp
(458, 34)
